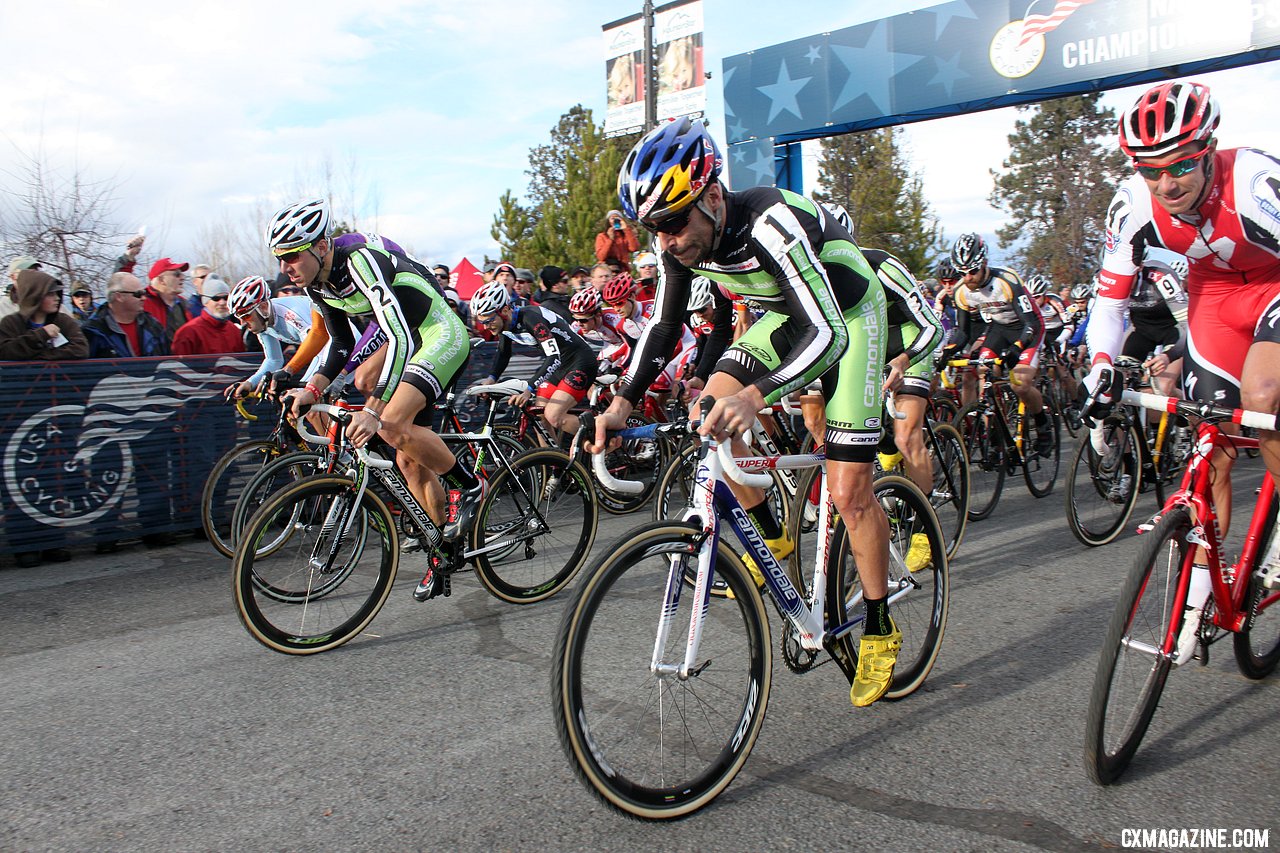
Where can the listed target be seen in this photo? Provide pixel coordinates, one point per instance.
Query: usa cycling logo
(69, 465)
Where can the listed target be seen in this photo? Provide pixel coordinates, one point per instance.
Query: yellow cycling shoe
(877, 655)
(919, 555)
(781, 548)
(889, 461)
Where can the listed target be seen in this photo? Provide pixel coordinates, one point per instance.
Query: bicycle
(1103, 487)
(335, 568)
(658, 722)
(1145, 638)
(997, 435)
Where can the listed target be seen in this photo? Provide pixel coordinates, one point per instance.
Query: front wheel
(224, 484)
(535, 527)
(1102, 489)
(950, 495)
(918, 601)
(645, 740)
(1139, 648)
(1040, 467)
(988, 459)
(329, 577)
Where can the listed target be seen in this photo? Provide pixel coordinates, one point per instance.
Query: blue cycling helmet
(668, 171)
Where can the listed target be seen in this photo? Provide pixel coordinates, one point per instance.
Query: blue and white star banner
(970, 55)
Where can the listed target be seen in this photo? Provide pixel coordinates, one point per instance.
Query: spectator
(505, 274)
(9, 304)
(199, 273)
(578, 278)
(120, 328)
(553, 292)
(82, 304)
(441, 272)
(164, 296)
(127, 261)
(40, 330)
(616, 240)
(525, 285)
(647, 282)
(212, 332)
(488, 272)
(600, 274)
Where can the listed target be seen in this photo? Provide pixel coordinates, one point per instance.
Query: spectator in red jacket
(164, 299)
(212, 332)
(617, 241)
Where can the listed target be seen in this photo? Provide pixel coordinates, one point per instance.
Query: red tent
(465, 279)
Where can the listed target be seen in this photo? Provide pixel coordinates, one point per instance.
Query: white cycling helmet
(250, 294)
(298, 226)
(489, 299)
(1038, 285)
(1081, 291)
(841, 215)
(700, 293)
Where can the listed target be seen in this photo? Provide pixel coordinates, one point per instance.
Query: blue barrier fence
(107, 449)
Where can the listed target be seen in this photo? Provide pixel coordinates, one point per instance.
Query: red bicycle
(1152, 629)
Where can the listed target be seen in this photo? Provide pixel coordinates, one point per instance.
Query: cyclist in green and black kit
(824, 319)
(427, 346)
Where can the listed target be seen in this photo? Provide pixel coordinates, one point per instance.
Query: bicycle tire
(950, 494)
(227, 478)
(546, 502)
(273, 476)
(1143, 614)
(921, 613)
(1179, 441)
(632, 736)
(1098, 503)
(988, 460)
(1039, 471)
(1257, 644)
(311, 609)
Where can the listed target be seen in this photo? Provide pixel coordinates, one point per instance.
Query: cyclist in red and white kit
(1220, 208)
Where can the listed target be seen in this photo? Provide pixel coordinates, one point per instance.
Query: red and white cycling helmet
(585, 301)
(490, 299)
(248, 295)
(1166, 117)
(619, 288)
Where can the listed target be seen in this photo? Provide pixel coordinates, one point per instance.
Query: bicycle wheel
(1257, 646)
(950, 495)
(638, 459)
(224, 484)
(918, 601)
(535, 527)
(676, 486)
(1040, 470)
(1103, 490)
(1138, 650)
(1175, 450)
(645, 741)
(272, 477)
(988, 459)
(332, 575)
(943, 408)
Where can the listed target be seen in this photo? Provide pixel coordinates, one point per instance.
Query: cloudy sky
(210, 112)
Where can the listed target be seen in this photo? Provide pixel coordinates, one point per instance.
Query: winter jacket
(108, 340)
(170, 317)
(24, 339)
(207, 335)
(617, 244)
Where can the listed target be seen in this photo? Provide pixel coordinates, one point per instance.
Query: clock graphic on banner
(1012, 57)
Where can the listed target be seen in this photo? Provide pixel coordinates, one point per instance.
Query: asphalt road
(139, 715)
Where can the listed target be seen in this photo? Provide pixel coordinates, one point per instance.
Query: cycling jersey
(824, 309)
(908, 311)
(289, 324)
(1232, 245)
(427, 345)
(1005, 302)
(568, 363)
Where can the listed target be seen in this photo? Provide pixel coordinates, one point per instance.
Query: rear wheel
(1040, 468)
(223, 486)
(1102, 490)
(988, 459)
(950, 495)
(1257, 647)
(1138, 651)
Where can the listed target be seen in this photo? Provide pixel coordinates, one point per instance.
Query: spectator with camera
(617, 241)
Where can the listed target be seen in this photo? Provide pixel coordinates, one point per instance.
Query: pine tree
(868, 174)
(1061, 173)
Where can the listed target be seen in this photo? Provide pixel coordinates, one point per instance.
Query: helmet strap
(717, 219)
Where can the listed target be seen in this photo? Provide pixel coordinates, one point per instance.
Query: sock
(764, 520)
(460, 478)
(877, 616)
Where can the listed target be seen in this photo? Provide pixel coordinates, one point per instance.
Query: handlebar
(1205, 411)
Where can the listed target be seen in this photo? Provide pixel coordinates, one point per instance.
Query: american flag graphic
(1034, 25)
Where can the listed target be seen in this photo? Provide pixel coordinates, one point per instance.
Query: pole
(650, 71)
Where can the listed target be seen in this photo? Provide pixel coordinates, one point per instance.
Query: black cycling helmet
(969, 253)
(945, 271)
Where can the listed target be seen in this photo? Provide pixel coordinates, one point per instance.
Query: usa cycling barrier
(109, 449)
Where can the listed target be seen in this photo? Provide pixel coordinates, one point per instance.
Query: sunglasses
(443, 276)
(671, 225)
(586, 319)
(1176, 169)
(491, 320)
(222, 298)
(291, 255)
(291, 291)
(137, 293)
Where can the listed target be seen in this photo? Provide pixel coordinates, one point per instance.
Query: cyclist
(568, 366)
(825, 318)
(426, 348)
(280, 322)
(1219, 208)
(1157, 298)
(1015, 329)
(711, 321)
